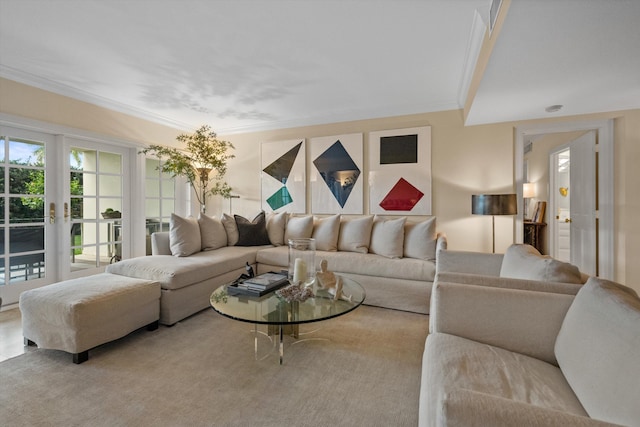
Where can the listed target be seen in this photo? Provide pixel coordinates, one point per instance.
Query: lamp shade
(494, 204)
(528, 190)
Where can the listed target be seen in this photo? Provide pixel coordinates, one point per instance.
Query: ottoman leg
(153, 325)
(81, 357)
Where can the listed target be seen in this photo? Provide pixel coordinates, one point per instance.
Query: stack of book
(258, 285)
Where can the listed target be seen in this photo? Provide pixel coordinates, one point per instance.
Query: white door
(583, 188)
(28, 232)
(560, 199)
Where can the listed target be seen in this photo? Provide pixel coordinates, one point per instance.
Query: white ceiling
(241, 65)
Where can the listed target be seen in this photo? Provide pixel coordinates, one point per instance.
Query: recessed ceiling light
(553, 108)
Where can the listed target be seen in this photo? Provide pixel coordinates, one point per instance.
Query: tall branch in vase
(203, 154)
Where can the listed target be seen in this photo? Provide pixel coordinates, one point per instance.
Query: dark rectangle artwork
(398, 149)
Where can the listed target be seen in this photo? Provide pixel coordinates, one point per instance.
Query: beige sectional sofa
(393, 258)
(532, 357)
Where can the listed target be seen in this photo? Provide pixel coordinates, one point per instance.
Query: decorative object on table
(538, 213)
(337, 175)
(293, 293)
(302, 261)
(331, 282)
(257, 285)
(204, 153)
(326, 279)
(528, 193)
(111, 214)
(494, 204)
(221, 296)
(400, 171)
(283, 178)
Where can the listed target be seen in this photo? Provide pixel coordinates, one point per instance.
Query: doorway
(603, 263)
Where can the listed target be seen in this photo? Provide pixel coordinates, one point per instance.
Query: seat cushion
(176, 273)
(452, 363)
(598, 348)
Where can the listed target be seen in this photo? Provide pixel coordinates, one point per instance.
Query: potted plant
(204, 153)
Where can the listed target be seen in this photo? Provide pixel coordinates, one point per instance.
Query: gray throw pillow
(252, 233)
(184, 236)
(212, 233)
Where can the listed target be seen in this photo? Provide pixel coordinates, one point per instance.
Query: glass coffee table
(279, 314)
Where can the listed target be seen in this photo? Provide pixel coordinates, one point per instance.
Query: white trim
(478, 29)
(606, 181)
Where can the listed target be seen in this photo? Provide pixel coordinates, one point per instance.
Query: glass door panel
(96, 198)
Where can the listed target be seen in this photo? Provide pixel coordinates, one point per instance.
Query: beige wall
(465, 161)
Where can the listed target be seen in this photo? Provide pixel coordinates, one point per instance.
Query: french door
(62, 209)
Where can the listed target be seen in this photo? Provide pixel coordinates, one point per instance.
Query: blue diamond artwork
(280, 170)
(338, 170)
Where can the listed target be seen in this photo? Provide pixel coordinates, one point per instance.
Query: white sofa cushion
(420, 239)
(598, 348)
(212, 233)
(387, 237)
(184, 236)
(355, 234)
(525, 262)
(298, 227)
(231, 228)
(325, 232)
(276, 224)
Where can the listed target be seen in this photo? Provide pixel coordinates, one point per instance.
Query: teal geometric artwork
(280, 169)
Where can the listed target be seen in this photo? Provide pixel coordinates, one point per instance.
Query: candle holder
(302, 261)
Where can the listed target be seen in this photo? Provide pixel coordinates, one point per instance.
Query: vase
(302, 261)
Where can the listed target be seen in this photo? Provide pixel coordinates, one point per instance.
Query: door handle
(52, 213)
(66, 211)
(567, 220)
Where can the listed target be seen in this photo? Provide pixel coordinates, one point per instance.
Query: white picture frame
(283, 176)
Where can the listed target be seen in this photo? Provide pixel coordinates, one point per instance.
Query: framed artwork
(283, 176)
(337, 174)
(400, 171)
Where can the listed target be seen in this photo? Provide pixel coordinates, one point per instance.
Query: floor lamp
(494, 204)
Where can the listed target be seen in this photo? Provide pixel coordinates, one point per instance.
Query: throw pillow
(212, 233)
(276, 224)
(325, 233)
(420, 239)
(231, 228)
(252, 233)
(298, 227)
(355, 234)
(387, 237)
(525, 262)
(184, 236)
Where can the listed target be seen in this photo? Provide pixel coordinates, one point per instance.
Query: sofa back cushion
(212, 233)
(355, 234)
(325, 232)
(184, 236)
(276, 224)
(387, 237)
(252, 233)
(525, 262)
(420, 239)
(597, 350)
(298, 227)
(231, 228)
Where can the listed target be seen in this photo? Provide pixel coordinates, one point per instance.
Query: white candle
(299, 271)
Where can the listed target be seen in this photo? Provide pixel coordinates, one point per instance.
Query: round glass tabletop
(270, 309)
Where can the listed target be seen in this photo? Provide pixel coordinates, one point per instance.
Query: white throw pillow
(325, 233)
(355, 234)
(276, 225)
(184, 236)
(231, 228)
(387, 237)
(525, 262)
(212, 233)
(298, 227)
(420, 239)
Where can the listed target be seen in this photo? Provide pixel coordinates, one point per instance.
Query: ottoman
(80, 314)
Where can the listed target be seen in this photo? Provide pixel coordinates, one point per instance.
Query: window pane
(168, 189)
(151, 168)
(26, 153)
(2, 141)
(168, 206)
(26, 239)
(110, 163)
(1, 179)
(110, 185)
(76, 208)
(26, 209)
(152, 187)
(111, 205)
(26, 181)
(26, 267)
(152, 208)
(83, 160)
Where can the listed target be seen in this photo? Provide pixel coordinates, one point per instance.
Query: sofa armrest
(463, 407)
(469, 262)
(526, 322)
(160, 244)
(506, 282)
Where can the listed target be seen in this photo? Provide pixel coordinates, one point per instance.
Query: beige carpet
(202, 372)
